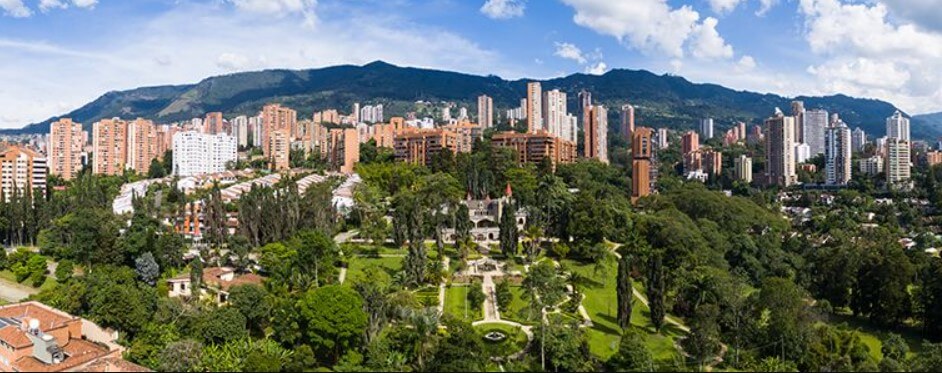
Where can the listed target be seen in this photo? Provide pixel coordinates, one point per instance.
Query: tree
(625, 292)
(214, 214)
(147, 268)
(930, 359)
(252, 303)
(156, 170)
(703, 342)
(632, 355)
(196, 276)
(930, 298)
(463, 223)
(656, 289)
(461, 350)
(508, 229)
(316, 253)
(894, 351)
(221, 325)
(115, 299)
(333, 318)
(182, 356)
(64, 270)
(475, 297)
(564, 346)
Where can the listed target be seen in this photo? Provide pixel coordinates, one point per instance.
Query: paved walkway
(12, 292)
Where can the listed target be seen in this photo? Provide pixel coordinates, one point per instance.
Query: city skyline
(790, 51)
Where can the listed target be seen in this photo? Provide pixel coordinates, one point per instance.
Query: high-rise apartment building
(712, 161)
(858, 139)
(419, 146)
(596, 134)
(534, 107)
(344, 149)
(240, 130)
(627, 121)
(109, 146)
(898, 162)
(798, 111)
(197, 153)
(872, 166)
(706, 128)
(802, 153)
(554, 112)
(742, 168)
(141, 145)
(213, 123)
(897, 126)
(815, 121)
(485, 111)
(278, 118)
(642, 155)
(837, 154)
(689, 142)
(279, 145)
(22, 173)
(662, 140)
(533, 148)
(466, 134)
(779, 150)
(66, 143)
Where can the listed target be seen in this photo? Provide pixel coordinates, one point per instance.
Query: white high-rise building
(240, 130)
(554, 112)
(196, 153)
(898, 162)
(463, 113)
(898, 126)
(706, 128)
(446, 114)
(570, 130)
(858, 139)
(798, 111)
(837, 154)
(662, 142)
(802, 153)
(257, 127)
(356, 112)
(780, 150)
(815, 121)
(534, 107)
(871, 166)
(742, 168)
(485, 111)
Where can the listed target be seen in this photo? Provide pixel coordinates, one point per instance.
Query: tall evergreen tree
(656, 287)
(625, 292)
(508, 229)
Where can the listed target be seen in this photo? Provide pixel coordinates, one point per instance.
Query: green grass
(518, 311)
(456, 303)
(600, 300)
(356, 265)
(873, 336)
(516, 340)
(48, 283)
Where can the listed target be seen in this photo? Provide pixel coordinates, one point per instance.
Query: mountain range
(661, 100)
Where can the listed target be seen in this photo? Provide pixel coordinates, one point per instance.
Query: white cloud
(868, 53)
(925, 13)
(15, 8)
(503, 9)
(724, 6)
(278, 8)
(765, 6)
(570, 52)
(653, 27)
(597, 69)
(746, 63)
(707, 44)
(171, 49)
(47, 5)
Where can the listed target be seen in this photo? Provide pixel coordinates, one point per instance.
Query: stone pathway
(343, 275)
(441, 287)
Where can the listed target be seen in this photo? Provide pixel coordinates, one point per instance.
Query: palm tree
(533, 236)
(424, 323)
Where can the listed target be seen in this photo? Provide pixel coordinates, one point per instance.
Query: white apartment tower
(858, 139)
(196, 153)
(485, 111)
(706, 128)
(554, 112)
(815, 121)
(898, 126)
(742, 168)
(780, 150)
(534, 107)
(837, 154)
(898, 162)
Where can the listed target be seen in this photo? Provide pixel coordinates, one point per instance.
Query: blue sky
(56, 55)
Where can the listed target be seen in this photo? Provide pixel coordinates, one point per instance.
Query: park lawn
(517, 311)
(600, 301)
(873, 336)
(8, 275)
(427, 296)
(456, 303)
(371, 250)
(356, 265)
(516, 339)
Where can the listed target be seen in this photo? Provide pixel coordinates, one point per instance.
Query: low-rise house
(216, 283)
(38, 338)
